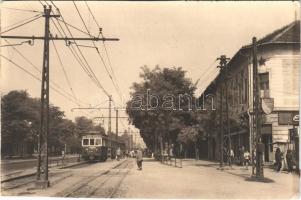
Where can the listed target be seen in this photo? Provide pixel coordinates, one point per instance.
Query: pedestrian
(118, 153)
(139, 159)
(231, 157)
(278, 159)
(246, 158)
(289, 160)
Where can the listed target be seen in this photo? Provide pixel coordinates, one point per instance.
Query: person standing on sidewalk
(278, 159)
(118, 153)
(289, 160)
(246, 158)
(139, 159)
(231, 160)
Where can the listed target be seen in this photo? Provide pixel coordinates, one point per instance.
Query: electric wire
(110, 76)
(24, 10)
(37, 78)
(78, 29)
(18, 26)
(14, 24)
(87, 69)
(38, 70)
(105, 48)
(64, 71)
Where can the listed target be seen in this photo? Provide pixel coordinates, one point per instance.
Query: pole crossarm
(99, 108)
(59, 38)
(108, 117)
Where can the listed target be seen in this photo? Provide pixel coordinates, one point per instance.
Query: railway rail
(26, 179)
(98, 183)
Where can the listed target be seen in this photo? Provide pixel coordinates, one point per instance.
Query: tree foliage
(161, 122)
(20, 124)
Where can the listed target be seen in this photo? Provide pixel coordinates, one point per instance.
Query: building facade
(278, 67)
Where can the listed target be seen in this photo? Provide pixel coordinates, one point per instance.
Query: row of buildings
(278, 68)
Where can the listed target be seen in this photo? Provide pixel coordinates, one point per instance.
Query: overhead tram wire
(87, 68)
(64, 71)
(18, 26)
(24, 10)
(78, 12)
(19, 22)
(35, 77)
(110, 76)
(211, 78)
(99, 27)
(207, 70)
(71, 48)
(38, 70)
(38, 79)
(75, 27)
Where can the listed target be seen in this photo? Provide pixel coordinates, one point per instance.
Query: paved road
(202, 179)
(196, 179)
(62, 181)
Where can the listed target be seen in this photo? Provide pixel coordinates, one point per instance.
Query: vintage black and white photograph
(150, 99)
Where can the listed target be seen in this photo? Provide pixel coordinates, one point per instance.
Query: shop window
(91, 141)
(264, 85)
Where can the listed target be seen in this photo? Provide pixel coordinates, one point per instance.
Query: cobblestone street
(202, 179)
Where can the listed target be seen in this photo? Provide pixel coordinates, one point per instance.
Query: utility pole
(257, 114)
(109, 125)
(116, 124)
(42, 169)
(223, 63)
(42, 165)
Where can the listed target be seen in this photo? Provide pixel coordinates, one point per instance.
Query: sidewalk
(13, 174)
(4, 161)
(202, 179)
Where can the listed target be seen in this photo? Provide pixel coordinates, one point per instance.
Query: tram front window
(91, 141)
(85, 141)
(98, 142)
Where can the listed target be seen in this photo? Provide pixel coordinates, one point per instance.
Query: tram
(100, 147)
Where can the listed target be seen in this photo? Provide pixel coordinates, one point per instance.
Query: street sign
(267, 105)
(296, 118)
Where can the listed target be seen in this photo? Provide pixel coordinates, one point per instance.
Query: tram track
(97, 182)
(26, 179)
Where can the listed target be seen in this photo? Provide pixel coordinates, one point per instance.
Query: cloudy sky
(182, 34)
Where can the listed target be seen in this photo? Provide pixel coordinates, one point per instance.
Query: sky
(190, 35)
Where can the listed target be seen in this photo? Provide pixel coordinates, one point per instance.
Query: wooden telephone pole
(42, 166)
(257, 114)
(223, 65)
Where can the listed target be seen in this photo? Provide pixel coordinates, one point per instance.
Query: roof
(285, 35)
(289, 34)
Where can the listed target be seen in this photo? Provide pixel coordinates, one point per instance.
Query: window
(91, 141)
(246, 90)
(85, 141)
(241, 94)
(236, 101)
(264, 85)
(98, 142)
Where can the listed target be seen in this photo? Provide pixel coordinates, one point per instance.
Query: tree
(83, 125)
(19, 123)
(20, 126)
(159, 105)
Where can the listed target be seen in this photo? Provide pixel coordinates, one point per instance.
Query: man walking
(118, 153)
(139, 159)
